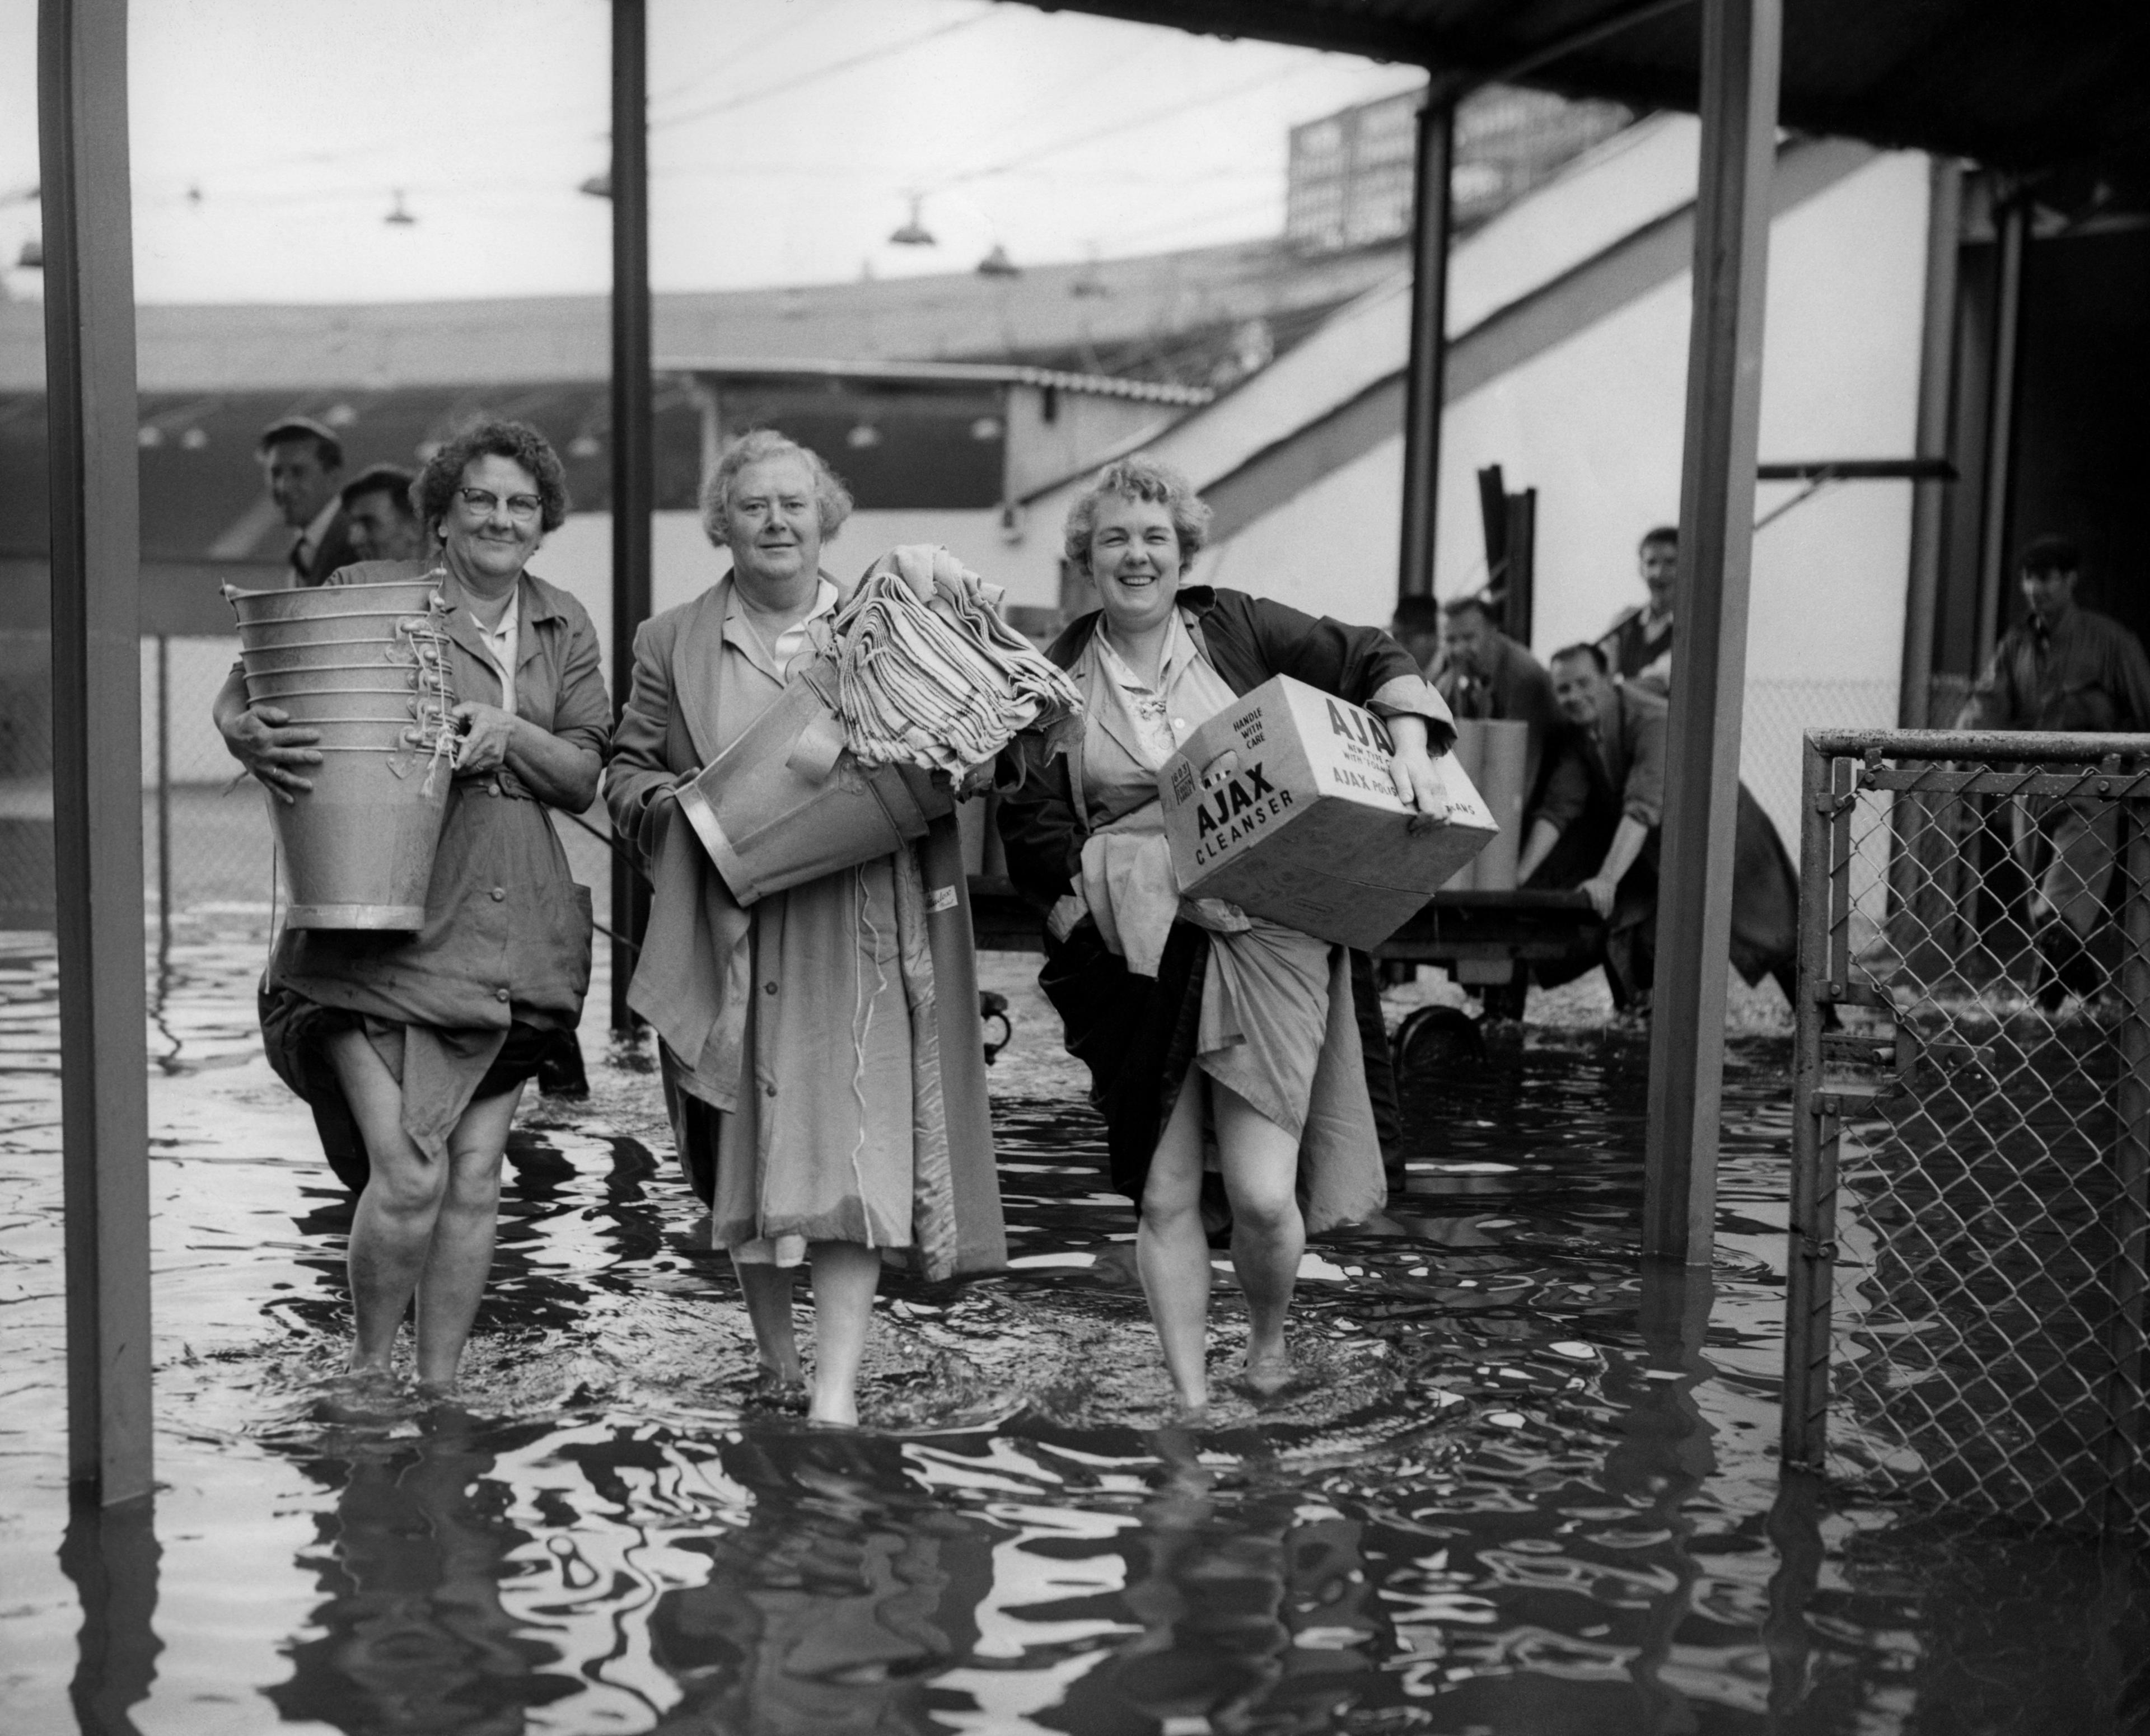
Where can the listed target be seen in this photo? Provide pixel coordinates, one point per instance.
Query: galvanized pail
(787, 802)
(365, 666)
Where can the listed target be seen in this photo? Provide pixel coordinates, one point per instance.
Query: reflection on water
(1528, 1487)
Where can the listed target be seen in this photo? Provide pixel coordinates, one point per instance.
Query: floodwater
(1529, 1487)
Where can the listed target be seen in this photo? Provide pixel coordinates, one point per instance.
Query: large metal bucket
(365, 666)
(787, 802)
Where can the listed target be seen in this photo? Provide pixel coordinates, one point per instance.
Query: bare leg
(767, 1292)
(1171, 1252)
(1261, 1173)
(846, 1275)
(460, 1254)
(392, 1228)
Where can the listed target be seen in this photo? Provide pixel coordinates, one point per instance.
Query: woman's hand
(1602, 893)
(263, 738)
(487, 733)
(1418, 784)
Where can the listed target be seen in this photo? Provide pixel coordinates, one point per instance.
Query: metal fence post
(2125, 1397)
(1810, 1272)
(163, 799)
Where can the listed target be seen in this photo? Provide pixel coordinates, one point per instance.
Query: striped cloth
(928, 673)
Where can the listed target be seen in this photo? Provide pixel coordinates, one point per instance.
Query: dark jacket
(335, 554)
(1137, 1034)
(1247, 640)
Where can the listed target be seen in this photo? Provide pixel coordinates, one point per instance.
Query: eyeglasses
(521, 508)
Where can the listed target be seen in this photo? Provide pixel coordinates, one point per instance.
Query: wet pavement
(1528, 1486)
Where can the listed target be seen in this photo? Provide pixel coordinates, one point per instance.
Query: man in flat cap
(302, 463)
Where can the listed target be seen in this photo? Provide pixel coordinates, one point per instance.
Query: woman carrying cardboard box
(1196, 1020)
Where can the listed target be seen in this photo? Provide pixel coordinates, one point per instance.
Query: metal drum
(366, 666)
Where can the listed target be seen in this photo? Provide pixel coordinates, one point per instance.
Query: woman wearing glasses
(413, 1049)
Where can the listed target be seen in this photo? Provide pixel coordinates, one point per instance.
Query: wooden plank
(1424, 391)
(1741, 43)
(97, 740)
(633, 442)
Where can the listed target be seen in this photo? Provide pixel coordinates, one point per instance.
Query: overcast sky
(272, 138)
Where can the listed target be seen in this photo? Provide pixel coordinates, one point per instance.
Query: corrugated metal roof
(1067, 310)
(929, 373)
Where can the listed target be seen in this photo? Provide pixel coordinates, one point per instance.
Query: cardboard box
(1283, 804)
(1493, 753)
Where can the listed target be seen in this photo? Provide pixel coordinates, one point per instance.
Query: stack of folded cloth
(928, 673)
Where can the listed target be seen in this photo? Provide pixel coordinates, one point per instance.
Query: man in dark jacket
(302, 463)
(2063, 667)
(1596, 829)
(1489, 675)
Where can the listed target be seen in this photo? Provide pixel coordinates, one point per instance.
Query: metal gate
(1965, 1315)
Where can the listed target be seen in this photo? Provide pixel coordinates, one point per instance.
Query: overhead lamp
(194, 439)
(585, 445)
(911, 233)
(998, 264)
(398, 215)
(597, 186)
(863, 435)
(340, 415)
(32, 258)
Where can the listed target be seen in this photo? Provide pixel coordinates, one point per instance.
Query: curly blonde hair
(1138, 478)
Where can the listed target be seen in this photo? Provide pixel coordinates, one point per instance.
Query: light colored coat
(694, 979)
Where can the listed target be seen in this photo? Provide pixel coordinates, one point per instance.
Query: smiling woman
(413, 1050)
(813, 1105)
(1200, 1025)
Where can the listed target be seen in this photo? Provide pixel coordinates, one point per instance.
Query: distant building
(1349, 180)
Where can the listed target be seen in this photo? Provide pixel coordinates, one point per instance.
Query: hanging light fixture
(998, 264)
(911, 233)
(397, 215)
(597, 186)
(32, 258)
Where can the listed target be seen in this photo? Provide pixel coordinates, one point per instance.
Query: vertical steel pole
(164, 799)
(1425, 374)
(2015, 225)
(634, 456)
(1741, 41)
(1936, 397)
(97, 740)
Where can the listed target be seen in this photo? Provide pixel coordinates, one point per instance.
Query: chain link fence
(1972, 1119)
(208, 854)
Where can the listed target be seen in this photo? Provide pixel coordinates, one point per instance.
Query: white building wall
(1595, 425)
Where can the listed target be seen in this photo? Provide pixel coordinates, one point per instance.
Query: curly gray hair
(832, 500)
(1138, 477)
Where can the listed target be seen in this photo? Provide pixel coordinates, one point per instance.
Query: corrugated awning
(2054, 92)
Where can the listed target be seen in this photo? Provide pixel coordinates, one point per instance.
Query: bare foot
(834, 1409)
(1268, 1374)
(777, 1390)
(363, 1394)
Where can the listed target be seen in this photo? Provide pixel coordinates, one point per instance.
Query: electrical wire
(747, 98)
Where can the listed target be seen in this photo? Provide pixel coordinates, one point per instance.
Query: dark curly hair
(443, 474)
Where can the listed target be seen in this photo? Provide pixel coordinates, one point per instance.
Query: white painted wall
(1595, 425)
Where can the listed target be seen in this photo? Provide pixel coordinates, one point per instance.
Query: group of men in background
(371, 517)
(1594, 783)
